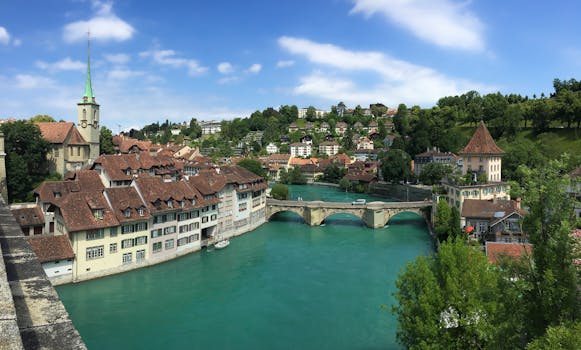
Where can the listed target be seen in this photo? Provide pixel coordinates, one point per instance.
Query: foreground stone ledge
(31, 313)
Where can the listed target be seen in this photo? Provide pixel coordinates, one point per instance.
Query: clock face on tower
(84, 123)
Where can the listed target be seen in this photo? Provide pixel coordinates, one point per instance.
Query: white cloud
(225, 68)
(444, 23)
(228, 80)
(168, 58)
(16, 42)
(64, 64)
(397, 80)
(105, 26)
(27, 81)
(284, 64)
(4, 36)
(118, 58)
(255, 68)
(122, 74)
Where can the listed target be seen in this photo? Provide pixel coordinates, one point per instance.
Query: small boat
(222, 244)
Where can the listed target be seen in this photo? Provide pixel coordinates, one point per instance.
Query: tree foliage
(252, 165)
(106, 141)
(448, 301)
(280, 191)
(396, 166)
(433, 173)
(42, 118)
(26, 163)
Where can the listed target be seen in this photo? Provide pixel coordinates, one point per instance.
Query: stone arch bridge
(374, 214)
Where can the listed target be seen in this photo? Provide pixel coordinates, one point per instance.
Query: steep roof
(497, 250)
(77, 211)
(51, 248)
(76, 138)
(54, 132)
(482, 142)
(208, 181)
(124, 198)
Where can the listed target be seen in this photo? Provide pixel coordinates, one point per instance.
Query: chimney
(494, 199)
(518, 200)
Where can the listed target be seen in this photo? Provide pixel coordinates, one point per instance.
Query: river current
(284, 285)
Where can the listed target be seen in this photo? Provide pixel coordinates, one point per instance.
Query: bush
(279, 191)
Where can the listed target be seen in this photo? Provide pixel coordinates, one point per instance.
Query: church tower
(88, 114)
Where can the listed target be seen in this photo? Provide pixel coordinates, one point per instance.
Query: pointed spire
(482, 142)
(88, 95)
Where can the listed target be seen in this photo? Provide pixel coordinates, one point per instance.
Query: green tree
(311, 114)
(106, 141)
(444, 302)
(26, 163)
(433, 173)
(401, 120)
(252, 165)
(279, 191)
(442, 220)
(562, 337)
(396, 166)
(42, 118)
(347, 141)
(553, 295)
(333, 173)
(345, 184)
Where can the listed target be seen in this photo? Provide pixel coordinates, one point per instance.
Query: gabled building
(89, 223)
(55, 254)
(493, 220)
(482, 155)
(365, 143)
(70, 151)
(29, 217)
(271, 148)
(340, 128)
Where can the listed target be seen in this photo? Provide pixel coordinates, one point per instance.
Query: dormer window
(127, 212)
(169, 204)
(98, 213)
(141, 211)
(183, 203)
(128, 172)
(57, 195)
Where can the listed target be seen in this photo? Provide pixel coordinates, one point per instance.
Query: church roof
(54, 132)
(76, 138)
(481, 142)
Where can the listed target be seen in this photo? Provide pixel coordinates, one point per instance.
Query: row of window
(188, 239)
(130, 228)
(132, 242)
(139, 256)
(190, 227)
(169, 244)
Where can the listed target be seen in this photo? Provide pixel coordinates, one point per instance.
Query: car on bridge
(359, 202)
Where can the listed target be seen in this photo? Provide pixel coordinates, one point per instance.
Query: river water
(283, 286)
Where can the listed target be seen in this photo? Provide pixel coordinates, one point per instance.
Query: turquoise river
(283, 286)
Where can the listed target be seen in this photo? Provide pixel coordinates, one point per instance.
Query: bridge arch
(360, 217)
(275, 210)
(294, 214)
(416, 211)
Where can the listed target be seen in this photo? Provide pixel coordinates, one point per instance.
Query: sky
(219, 59)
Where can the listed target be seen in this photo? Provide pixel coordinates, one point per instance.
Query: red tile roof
(27, 217)
(126, 200)
(77, 210)
(76, 138)
(208, 182)
(55, 132)
(497, 250)
(482, 143)
(51, 248)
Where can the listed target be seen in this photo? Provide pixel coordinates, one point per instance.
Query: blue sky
(175, 60)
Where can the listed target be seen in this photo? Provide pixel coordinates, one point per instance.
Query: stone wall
(31, 313)
(405, 193)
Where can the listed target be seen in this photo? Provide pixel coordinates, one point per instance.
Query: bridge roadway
(374, 214)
